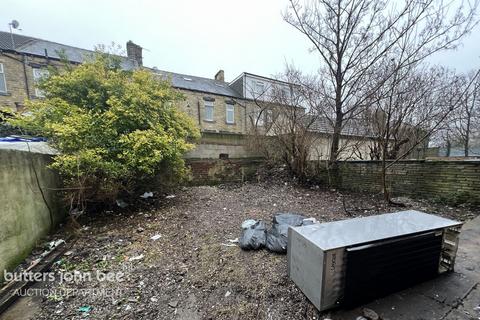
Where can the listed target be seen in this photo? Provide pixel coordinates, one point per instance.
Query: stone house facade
(225, 112)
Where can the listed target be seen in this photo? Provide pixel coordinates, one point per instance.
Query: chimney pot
(220, 76)
(134, 52)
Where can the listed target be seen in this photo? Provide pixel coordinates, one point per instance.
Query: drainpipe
(198, 110)
(27, 88)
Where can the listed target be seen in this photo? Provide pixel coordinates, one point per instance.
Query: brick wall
(449, 181)
(205, 171)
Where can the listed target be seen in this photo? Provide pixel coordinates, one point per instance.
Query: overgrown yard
(192, 271)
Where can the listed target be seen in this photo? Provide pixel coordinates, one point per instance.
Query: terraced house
(225, 112)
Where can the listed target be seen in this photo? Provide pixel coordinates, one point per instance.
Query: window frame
(208, 105)
(259, 87)
(38, 92)
(2, 74)
(229, 108)
(258, 117)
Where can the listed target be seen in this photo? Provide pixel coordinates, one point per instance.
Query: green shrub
(116, 131)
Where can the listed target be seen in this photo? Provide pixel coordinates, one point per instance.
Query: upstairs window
(259, 87)
(258, 117)
(230, 113)
(208, 111)
(269, 116)
(39, 74)
(3, 83)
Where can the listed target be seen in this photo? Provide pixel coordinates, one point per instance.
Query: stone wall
(194, 106)
(220, 171)
(24, 216)
(18, 90)
(449, 181)
(212, 145)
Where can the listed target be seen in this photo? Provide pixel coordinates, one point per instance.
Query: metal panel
(370, 256)
(305, 266)
(334, 273)
(338, 234)
(375, 270)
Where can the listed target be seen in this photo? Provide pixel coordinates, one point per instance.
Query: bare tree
(280, 125)
(353, 38)
(464, 122)
(407, 109)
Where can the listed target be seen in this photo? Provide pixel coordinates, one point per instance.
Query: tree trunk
(449, 148)
(386, 193)
(467, 136)
(337, 130)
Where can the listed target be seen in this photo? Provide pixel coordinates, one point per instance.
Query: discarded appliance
(345, 263)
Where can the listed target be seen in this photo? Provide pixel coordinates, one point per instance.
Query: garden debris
(370, 314)
(156, 237)
(140, 229)
(173, 304)
(248, 223)
(170, 196)
(136, 258)
(191, 266)
(227, 294)
(122, 204)
(228, 244)
(253, 237)
(277, 236)
(85, 309)
(147, 195)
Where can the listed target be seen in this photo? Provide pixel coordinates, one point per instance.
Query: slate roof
(6, 40)
(200, 84)
(350, 128)
(35, 46)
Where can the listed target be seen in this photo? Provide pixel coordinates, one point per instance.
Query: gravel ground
(192, 271)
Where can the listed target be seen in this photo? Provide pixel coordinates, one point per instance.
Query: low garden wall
(24, 216)
(213, 171)
(449, 181)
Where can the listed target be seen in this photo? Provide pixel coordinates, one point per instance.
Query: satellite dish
(15, 24)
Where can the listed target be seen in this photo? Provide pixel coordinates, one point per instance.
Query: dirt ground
(192, 271)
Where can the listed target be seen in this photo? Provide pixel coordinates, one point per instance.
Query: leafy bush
(117, 131)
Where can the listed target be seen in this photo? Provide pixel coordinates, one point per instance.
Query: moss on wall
(24, 216)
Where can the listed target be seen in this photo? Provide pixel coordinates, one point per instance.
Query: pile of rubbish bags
(255, 235)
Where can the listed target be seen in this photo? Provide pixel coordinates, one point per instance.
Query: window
(258, 117)
(230, 113)
(208, 110)
(259, 87)
(269, 116)
(39, 74)
(3, 83)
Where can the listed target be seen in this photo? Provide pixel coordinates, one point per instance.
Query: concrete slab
(452, 296)
(399, 306)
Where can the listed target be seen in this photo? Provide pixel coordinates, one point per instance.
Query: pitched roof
(350, 128)
(6, 40)
(39, 47)
(188, 82)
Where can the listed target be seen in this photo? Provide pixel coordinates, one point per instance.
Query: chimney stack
(220, 76)
(134, 52)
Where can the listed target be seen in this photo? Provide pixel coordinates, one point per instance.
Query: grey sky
(190, 36)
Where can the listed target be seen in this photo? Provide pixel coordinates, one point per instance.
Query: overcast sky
(189, 36)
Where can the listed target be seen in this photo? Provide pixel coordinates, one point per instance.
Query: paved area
(452, 296)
